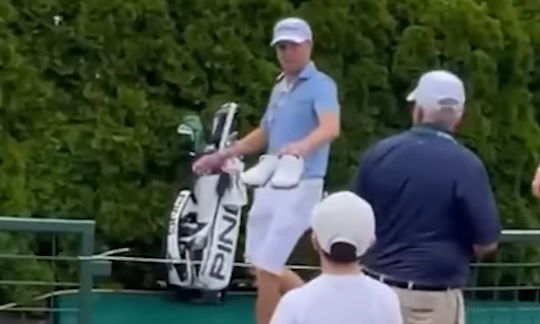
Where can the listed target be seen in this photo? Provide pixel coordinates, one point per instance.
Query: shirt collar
(435, 130)
(309, 70)
(433, 127)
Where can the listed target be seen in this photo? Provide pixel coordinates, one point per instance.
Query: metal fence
(504, 288)
(84, 230)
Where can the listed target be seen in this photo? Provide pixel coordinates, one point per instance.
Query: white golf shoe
(288, 173)
(261, 173)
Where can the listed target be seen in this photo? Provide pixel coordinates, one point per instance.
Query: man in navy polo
(433, 203)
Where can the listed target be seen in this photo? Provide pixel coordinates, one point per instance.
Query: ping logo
(225, 244)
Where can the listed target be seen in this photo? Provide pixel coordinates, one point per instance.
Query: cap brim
(411, 96)
(289, 38)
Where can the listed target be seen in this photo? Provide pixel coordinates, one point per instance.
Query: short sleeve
(360, 183)
(326, 96)
(264, 120)
(477, 204)
(285, 310)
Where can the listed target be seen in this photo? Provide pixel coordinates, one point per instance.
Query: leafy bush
(91, 93)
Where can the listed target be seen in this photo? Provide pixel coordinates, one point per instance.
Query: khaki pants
(431, 307)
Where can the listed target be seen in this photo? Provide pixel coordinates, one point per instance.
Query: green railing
(84, 229)
(504, 288)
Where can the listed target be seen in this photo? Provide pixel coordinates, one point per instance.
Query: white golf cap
(291, 29)
(437, 89)
(343, 217)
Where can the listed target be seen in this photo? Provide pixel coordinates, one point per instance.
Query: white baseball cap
(291, 29)
(343, 217)
(437, 89)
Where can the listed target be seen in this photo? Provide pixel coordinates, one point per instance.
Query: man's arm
(477, 205)
(536, 182)
(327, 108)
(252, 143)
(481, 250)
(327, 131)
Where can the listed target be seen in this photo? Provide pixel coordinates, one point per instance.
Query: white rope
(173, 261)
(508, 235)
(108, 256)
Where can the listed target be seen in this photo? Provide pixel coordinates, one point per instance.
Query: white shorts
(277, 220)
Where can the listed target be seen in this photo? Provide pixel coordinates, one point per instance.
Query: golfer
(343, 229)
(299, 124)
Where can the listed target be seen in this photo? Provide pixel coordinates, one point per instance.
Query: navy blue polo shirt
(432, 200)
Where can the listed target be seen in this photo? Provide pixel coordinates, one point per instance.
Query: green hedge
(91, 93)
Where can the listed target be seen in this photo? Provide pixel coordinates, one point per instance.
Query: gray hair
(444, 116)
(447, 114)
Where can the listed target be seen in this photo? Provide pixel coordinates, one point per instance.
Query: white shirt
(343, 299)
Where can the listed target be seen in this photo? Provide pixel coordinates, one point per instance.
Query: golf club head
(193, 127)
(184, 129)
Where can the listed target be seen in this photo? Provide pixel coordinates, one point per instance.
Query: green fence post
(86, 280)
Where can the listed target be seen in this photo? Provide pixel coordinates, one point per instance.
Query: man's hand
(209, 163)
(252, 143)
(482, 250)
(536, 183)
(300, 149)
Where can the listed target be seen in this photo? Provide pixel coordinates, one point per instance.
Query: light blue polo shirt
(292, 114)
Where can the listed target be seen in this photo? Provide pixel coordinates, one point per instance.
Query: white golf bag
(205, 220)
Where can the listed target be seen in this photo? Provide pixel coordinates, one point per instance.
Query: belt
(410, 285)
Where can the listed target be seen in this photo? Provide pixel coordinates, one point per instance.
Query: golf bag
(205, 219)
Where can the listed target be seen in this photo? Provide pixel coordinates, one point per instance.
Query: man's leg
(290, 219)
(258, 223)
(270, 288)
(418, 307)
(272, 280)
(289, 280)
(268, 295)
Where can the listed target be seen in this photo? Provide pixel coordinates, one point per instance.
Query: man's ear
(314, 242)
(461, 119)
(417, 115)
